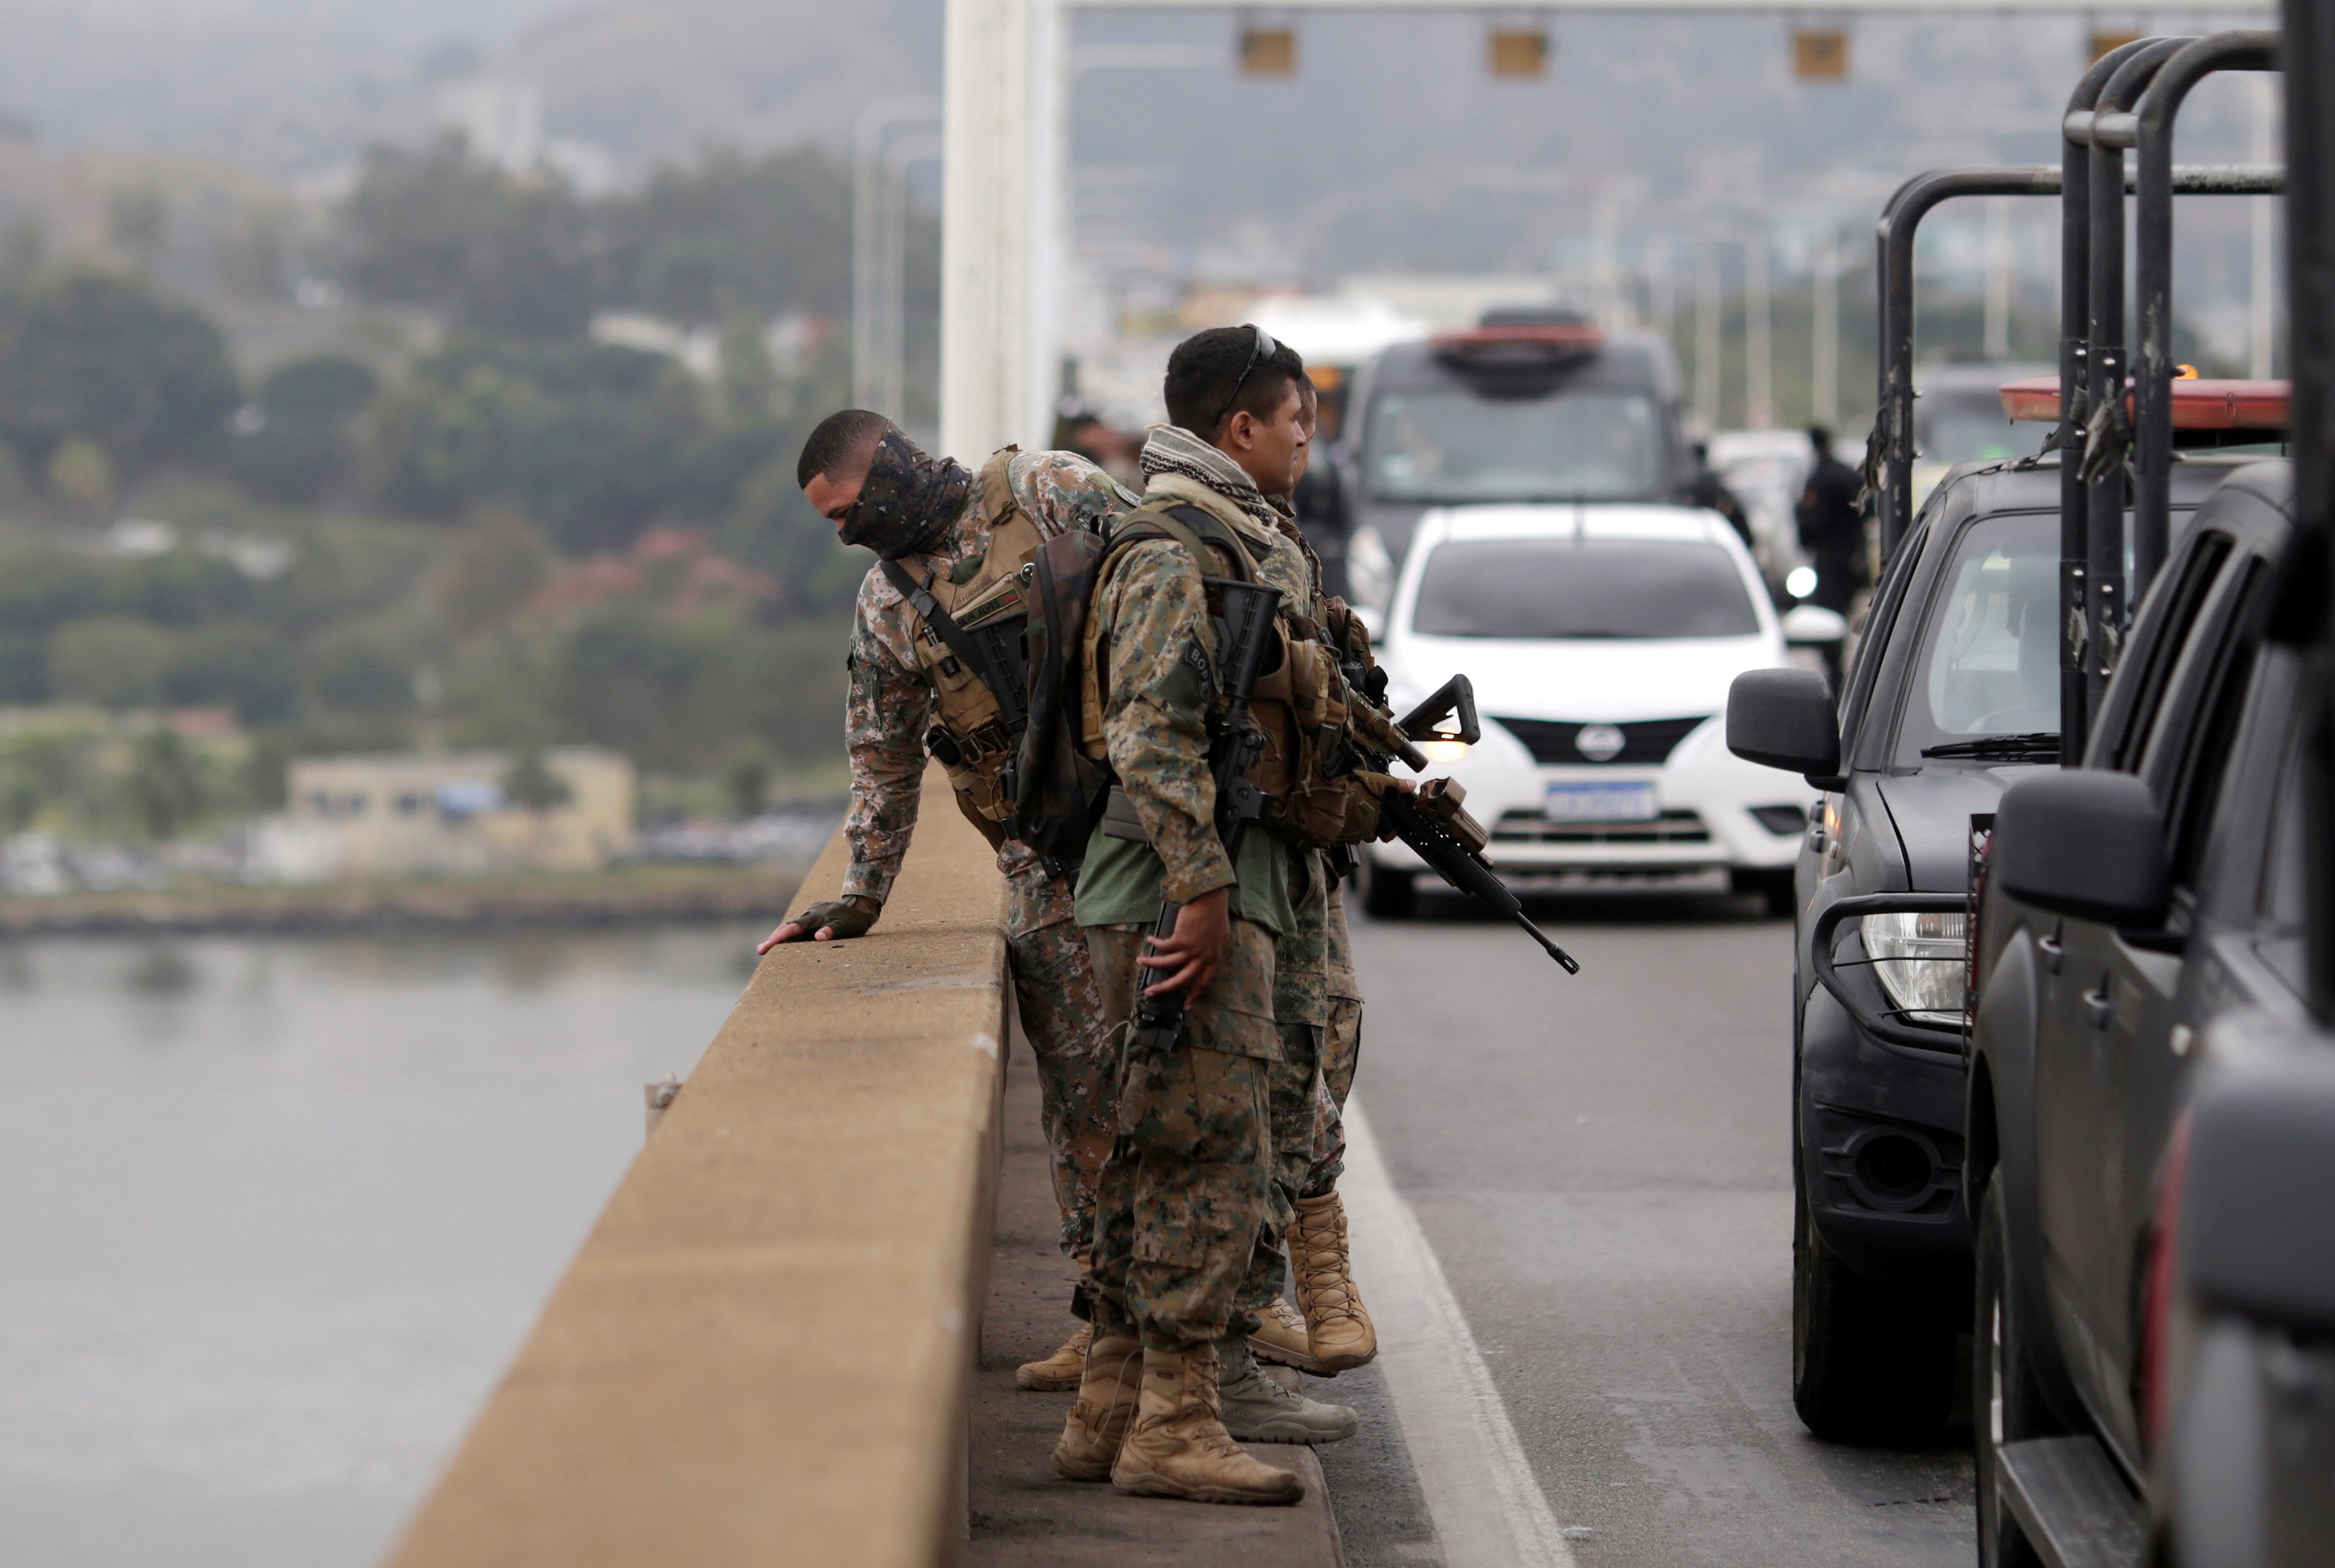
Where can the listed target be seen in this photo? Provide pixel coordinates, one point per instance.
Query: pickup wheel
(2006, 1399)
(1388, 894)
(1871, 1361)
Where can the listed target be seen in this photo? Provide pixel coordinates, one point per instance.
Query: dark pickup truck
(1953, 694)
(2125, 905)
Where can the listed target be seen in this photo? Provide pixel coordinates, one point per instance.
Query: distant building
(461, 813)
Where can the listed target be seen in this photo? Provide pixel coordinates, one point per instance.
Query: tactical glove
(1368, 819)
(850, 916)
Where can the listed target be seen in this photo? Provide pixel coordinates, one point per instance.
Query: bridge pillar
(1000, 266)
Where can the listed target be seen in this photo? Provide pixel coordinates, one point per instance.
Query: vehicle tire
(2006, 1400)
(1871, 1361)
(1388, 894)
(1772, 887)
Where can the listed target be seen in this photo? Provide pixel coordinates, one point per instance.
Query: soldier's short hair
(841, 442)
(1206, 368)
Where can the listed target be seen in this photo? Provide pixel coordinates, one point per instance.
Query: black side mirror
(2258, 1208)
(2086, 843)
(1785, 718)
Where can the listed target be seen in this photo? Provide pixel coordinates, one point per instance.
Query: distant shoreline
(634, 895)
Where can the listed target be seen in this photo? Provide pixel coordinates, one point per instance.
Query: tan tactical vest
(986, 593)
(1299, 704)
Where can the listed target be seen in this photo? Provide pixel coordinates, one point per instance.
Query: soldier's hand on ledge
(830, 922)
(1204, 929)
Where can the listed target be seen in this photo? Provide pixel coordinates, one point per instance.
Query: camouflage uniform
(889, 711)
(1190, 1187)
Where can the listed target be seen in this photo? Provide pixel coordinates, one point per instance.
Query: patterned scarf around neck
(1173, 450)
(907, 500)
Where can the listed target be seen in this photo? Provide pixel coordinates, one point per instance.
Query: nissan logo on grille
(1600, 742)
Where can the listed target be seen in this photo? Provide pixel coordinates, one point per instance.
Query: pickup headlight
(1923, 963)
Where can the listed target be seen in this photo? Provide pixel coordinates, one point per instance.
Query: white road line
(1489, 1509)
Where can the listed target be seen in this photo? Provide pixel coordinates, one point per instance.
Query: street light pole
(874, 124)
(1758, 335)
(1824, 334)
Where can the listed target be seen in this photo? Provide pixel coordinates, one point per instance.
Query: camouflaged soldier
(1317, 1003)
(950, 544)
(1187, 1195)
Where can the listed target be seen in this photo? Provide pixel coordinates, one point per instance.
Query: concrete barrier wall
(762, 1353)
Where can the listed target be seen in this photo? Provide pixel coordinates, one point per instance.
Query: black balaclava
(907, 500)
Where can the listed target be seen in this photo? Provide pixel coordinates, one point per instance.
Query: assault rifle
(1435, 821)
(1242, 636)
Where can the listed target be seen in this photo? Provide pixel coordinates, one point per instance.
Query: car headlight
(1923, 963)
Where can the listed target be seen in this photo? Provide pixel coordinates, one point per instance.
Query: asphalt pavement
(1600, 1168)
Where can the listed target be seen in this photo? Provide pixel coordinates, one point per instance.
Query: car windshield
(1452, 446)
(1543, 588)
(1987, 678)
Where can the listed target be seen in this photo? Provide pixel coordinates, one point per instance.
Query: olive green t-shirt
(1119, 882)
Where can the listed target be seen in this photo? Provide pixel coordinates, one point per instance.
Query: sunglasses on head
(1264, 349)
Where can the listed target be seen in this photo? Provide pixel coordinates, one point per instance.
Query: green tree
(764, 235)
(496, 253)
(235, 663)
(355, 674)
(138, 225)
(266, 771)
(746, 780)
(94, 354)
(165, 782)
(532, 786)
(588, 440)
(112, 661)
(301, 442)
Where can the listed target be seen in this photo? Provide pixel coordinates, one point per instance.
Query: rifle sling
(969, 653)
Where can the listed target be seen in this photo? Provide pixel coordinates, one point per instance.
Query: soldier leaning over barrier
(952, 545)
(1186, 1203)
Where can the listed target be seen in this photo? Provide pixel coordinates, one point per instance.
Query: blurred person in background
(1091, 437)
(947, 538)
(1832, 525)
(1318, 504)
(1707, 489)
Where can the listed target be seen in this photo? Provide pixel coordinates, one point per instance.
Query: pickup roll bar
(1900, 224)
(2075, 314)
(1901, 220)
(2106, 603)
(2151, 516)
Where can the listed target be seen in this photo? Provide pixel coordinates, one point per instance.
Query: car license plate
(1616, 802)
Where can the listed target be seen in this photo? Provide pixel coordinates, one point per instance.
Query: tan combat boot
(1108, 1395)
(1337, 1329)
(1280, 1337)
(1178, 1446)
(1060, 1372)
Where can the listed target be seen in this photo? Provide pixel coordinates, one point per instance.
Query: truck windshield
(1451, 446)
(1545, 588)
(1987, 683)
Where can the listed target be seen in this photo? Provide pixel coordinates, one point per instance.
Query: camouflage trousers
(1310, 1148)
(1187, 1191)
(1062, 1014)
(1308, 1091)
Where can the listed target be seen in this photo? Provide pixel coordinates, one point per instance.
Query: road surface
(1599, 1172)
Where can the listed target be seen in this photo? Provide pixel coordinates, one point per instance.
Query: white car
(1601, 640)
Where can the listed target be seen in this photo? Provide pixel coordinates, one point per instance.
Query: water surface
(275, 1213)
